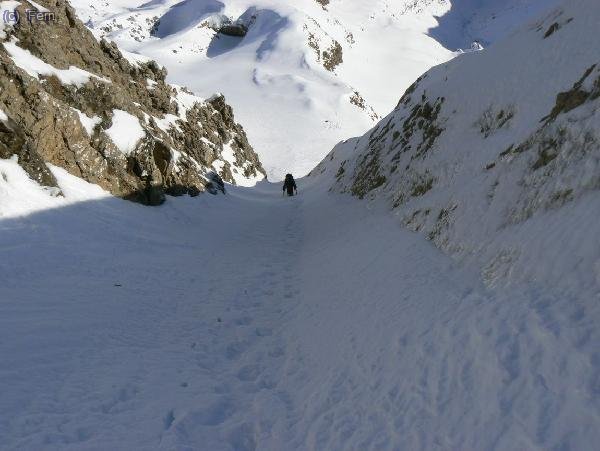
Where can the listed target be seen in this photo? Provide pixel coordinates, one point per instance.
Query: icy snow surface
(253, 321)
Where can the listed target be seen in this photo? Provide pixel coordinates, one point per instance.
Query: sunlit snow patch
(240, 179)
(36, 67)
(125, 131)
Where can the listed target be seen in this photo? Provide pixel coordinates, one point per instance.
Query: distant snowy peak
(479, 149)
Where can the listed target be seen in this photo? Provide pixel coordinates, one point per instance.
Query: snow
(3, 116)
(151, 84)
(134, 58)
(185, 101)
(227, 156)
(125, 131)
(37, 6)
(36, 67)
(256, 321)
(280, 323)
(7, 9)
(167, 122)
(9, 5)
(176, 156)
(485, 21)
(21, 196)
(88, 123)
(218, 165)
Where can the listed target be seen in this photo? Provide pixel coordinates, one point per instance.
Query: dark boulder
(236, 30)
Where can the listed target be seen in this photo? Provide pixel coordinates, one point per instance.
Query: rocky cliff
(71, 101)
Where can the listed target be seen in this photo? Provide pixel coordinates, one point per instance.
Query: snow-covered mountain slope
(256, 322)
(308, 73)
(496, 154)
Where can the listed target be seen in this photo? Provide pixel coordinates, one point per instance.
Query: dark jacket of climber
(289, 185)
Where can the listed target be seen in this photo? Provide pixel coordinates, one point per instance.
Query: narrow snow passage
(253, 321)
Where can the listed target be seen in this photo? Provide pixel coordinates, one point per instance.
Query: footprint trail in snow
(255, 322)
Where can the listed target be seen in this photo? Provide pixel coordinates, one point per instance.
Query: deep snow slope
(256, 322)
(495, 156)
(308, 74)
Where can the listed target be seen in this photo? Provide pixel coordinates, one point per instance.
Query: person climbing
(289, 185)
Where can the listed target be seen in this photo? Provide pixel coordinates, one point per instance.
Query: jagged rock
(184, 136)
(577, 96)
(330, 58)
(333, 56)
(13, 142)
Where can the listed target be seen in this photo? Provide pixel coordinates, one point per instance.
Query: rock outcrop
(235, 30)
(71, 101)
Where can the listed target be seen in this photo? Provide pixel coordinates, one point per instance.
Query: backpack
(289, 185)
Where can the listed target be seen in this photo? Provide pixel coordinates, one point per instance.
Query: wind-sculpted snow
(481, 148)
(264, 28)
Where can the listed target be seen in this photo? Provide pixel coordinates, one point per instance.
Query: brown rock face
(183, 135)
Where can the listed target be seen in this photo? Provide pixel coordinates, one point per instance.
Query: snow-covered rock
(78, 103)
